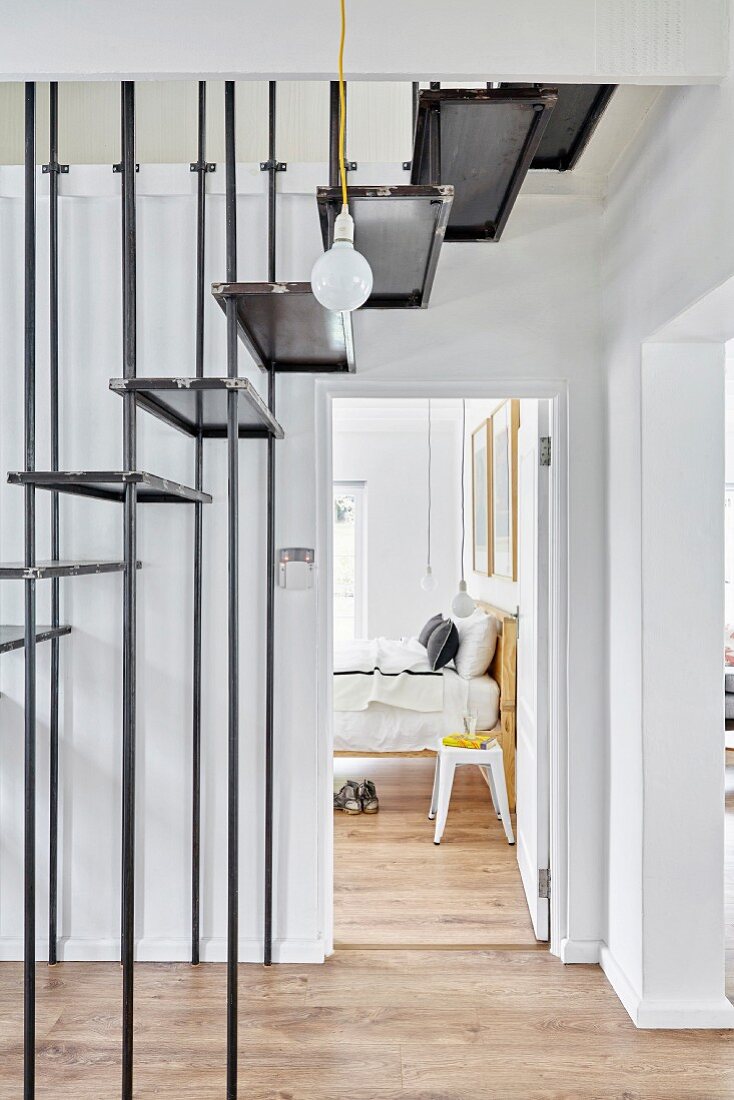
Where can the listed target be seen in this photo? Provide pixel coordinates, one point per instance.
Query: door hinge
(544, 882)
(545, 450)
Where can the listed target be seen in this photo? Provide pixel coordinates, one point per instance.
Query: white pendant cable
(462, 604)
(428, 581)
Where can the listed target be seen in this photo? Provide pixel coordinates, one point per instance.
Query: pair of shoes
(347, 799)
(368, 797)
(357, 798)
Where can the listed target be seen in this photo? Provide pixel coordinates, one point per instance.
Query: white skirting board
(667, 1014)
(580, 951)
(212, 950)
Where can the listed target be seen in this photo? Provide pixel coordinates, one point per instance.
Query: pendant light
(462, 604)
(428, 581)
(341, 278)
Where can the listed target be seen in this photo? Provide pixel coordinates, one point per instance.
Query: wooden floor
(392, 885)
(367, 1025)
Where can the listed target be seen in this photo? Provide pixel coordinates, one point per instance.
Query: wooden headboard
(503, 670)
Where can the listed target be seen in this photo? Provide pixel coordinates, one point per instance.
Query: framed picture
(481, 497)
(505, 422)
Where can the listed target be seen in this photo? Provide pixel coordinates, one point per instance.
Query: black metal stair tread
(199, 405)
(284, 328)
(13, 637)
(110, 485)
(571, 125)
(482, 141)
(43, 570)
(399, 230)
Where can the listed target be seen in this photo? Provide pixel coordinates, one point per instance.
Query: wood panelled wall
(379, 118)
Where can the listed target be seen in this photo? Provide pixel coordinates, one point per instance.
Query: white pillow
(477, 642)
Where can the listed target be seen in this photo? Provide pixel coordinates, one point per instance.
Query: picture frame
(505, 423)
(482, 499)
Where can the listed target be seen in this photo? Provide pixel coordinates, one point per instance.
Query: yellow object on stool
(460, 741)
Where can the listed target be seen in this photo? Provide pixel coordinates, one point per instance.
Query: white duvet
(384, 728)
(382, 670)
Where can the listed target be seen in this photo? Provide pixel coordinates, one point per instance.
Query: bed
(385, 730)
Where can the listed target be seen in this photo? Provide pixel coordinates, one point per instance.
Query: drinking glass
(470, 723)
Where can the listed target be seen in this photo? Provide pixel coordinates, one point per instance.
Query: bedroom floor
(393, 886)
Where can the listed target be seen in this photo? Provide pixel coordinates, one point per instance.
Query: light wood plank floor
(368, 1025)
(392, 885)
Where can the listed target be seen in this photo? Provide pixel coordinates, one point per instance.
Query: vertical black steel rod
(198, 540)
(270, 576)
(434, 143)
(129, 358)
(272, 177)
(334, 116)
(29, 907)
(415, 98)
(334, 133)
(233, 601)
(53, 809)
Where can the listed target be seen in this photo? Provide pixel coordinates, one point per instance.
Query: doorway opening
(459, 488)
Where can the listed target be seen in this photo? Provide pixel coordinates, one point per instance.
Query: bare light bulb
(428, 581)
(462, 604)
(341, 278)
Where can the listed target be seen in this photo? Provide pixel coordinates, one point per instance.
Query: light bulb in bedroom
(462, 604)
(428, 581)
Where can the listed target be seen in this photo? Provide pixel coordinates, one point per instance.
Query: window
(350, 619)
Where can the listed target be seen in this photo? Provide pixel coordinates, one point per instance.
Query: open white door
(533, 796)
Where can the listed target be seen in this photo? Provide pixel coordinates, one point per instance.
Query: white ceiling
(584, 41)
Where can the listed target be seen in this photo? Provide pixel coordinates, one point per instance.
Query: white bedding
(368, 671)
(383, 728)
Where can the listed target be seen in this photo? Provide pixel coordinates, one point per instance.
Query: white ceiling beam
(615, 41)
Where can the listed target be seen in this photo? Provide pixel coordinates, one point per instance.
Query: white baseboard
(213, 949)
(580, 951)
(715, 1012)
(619, 982)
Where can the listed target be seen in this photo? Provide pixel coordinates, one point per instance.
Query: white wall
(729, 409)
(384, 443)
(682, 476)
(479, 328)
(678, 173)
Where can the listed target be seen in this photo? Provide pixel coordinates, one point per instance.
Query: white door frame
(557, 392)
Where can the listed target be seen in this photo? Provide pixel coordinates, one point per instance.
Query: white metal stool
(490, 760)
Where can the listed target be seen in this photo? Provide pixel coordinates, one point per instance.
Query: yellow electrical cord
(342, 107)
